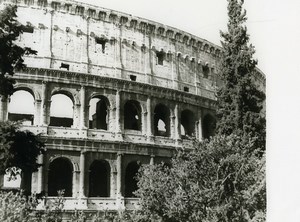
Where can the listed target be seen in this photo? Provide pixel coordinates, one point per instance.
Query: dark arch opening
(60, 177)
(188, 123)
(130, 179)
(98, 118)
(99, 179)
(161, 120)
(208, 126)
(132, 115)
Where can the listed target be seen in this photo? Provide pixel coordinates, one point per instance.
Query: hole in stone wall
(160, 58)
(64, 66)
(208, 126)
(132, 115)
(132, 77)
(161, 120)
(187, 124)
(99, 179)
(98, 115)
(27, 28)
(79, 10)
(60, 177)
(205, 70)
(102, 42)
(130, 179)
(186, 89)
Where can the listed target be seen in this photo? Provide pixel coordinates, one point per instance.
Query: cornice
(117, 18)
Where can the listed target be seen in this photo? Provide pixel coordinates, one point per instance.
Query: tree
(214, 182)
(222, 179)
(11, 55)
(240, 102)
(19, 149)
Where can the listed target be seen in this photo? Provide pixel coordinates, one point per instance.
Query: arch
(21, 106)
(131, 186)
(208, 126)
(132, 115)
(99, 113)
(188, 123)
(99, 179)
(60, 176)
(161, 120)
(61, 110)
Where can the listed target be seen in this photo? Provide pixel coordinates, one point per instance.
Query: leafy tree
(240, 102)
(214, 182)
(222, 179)
(19, 149)
(11, 55)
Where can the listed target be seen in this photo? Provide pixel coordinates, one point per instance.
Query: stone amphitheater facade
(152, 86)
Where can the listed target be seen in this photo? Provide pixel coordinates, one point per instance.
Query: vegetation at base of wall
(11, 55)
(218, 181)
(17, 207)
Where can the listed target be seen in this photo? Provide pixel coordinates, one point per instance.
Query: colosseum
(108, 91)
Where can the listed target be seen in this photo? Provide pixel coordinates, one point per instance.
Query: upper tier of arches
(111, 112)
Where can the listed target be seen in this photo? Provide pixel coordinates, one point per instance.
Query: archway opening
(99, 179)
(21, 107)
(187, 123)
(161, 120)
(98, 113)
(61, 111)
(208, 126)
(132, 115)
(131, 186)
(60, 177)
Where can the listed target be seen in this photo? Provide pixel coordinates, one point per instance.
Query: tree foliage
(18, 149)
(11, 55)
(222, 179)
(240, 102)
(218, 181)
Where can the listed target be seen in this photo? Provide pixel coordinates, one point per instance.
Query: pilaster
(3, 108)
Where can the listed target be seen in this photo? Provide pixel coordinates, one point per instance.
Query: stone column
(120, 199)
(74, 184)
(199, 126)
(3, 108)
(37, 112)
(152, 160)
(76, 115)
(118, 110)
(149, 119)
(82, 174)
(176, 123)
(82, 108)
(45, 114)
(40, 174)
